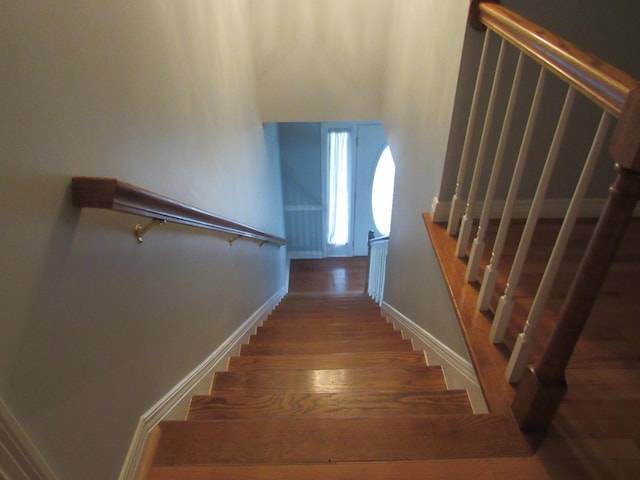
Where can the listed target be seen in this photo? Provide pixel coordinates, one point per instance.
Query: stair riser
(327, 381)
(301, 348)
(320, 362)
(337, 440)
(329, 405)
(268, 336)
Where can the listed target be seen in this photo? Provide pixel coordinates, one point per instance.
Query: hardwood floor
(596, 432)
(328, 275)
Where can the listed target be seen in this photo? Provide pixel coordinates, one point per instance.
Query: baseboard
(306, 254)
(174, 404)
(19, 458)
(460, 364)
(551, 208)
(458, 371)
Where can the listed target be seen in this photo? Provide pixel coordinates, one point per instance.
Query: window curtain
(338, 188)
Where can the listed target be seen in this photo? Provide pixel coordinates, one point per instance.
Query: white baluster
(457, 203)
(467, 220)
(385, 250)
(522, 349)
(491, 272)
(477, 248)
(505, 305)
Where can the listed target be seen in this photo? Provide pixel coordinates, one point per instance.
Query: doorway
(303, 151)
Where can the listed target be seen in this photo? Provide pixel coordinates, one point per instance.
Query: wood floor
(328, 275)
(596, 432)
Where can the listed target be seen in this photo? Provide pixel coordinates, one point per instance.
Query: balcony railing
(618, 97)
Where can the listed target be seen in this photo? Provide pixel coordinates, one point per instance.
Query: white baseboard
(458, 371)
(19, 458)
(306, 254)
(175, 403)
(551, 208)
(460, 364)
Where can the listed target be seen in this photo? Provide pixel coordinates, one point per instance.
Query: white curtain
(338, 187)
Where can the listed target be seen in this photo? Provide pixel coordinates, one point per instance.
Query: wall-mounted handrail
(113, 194)
(604, 84)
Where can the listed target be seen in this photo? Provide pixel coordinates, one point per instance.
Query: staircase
(324, 381)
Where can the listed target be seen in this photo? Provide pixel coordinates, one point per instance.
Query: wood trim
(167, 407)
(604, 84)
(536, 402)
(474, 14)
(625, 145)
(113, 194)
(488, 360)
(19, 457)
(384, 238)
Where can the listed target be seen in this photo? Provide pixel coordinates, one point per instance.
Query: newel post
(370, 236)
(542, 388)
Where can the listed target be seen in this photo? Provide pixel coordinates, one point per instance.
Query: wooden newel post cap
(625, 144)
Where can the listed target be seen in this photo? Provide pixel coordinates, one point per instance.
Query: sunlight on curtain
(338, 187)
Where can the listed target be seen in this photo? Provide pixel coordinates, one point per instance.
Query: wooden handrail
(604, 84)
(384, 238)
(542, 388)
(113, 194)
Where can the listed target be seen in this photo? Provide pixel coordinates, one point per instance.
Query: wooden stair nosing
(383, 402)
(331, 380)
(326, 361)
(320, 315)
(300, 440)
(327, 347)
(297, 326)
(478, 469)
(311, 335)
(322, 322)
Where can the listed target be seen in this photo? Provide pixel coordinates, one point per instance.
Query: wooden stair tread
(325, 347)
(333, 380)
(298, 326)
(334, 405)
(362, 314)
(303, 440)
(478, 469)
(326, 361)
(314, 335)
(320, 322)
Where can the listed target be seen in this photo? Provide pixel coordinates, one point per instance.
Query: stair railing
(113, 194)
(376, 266)
(618, 95)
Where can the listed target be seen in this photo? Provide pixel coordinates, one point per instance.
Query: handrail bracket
(140, 231)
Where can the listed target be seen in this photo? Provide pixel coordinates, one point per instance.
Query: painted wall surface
(426, 40)
(301, 162)
(608, 30)
(320, 60)
(96, 328)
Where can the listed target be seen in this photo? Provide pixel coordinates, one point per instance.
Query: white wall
(96, 328)
(422, 70)
(320, 60)
(605, 28)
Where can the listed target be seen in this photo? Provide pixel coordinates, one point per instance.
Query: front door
(351, 151)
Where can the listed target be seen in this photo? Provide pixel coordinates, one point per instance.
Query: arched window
(382, 191)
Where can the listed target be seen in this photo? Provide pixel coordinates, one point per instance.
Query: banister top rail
(113, 194)
(384, 238)
(604, 84)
